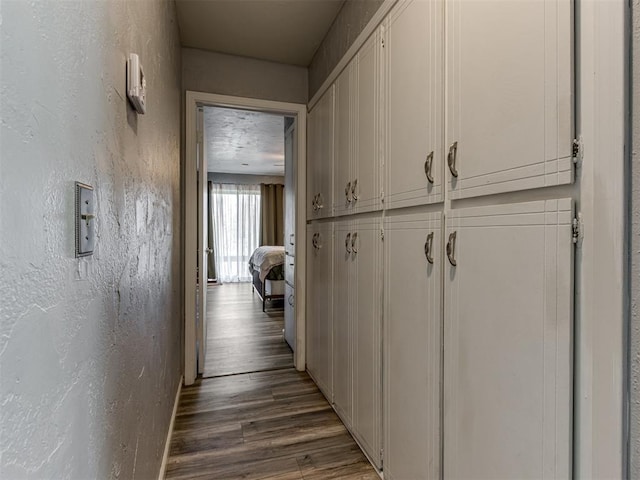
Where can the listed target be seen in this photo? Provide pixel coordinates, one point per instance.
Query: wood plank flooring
(241, 338)
(272, 425)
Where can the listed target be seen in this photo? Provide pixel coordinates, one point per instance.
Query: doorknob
(208, 250)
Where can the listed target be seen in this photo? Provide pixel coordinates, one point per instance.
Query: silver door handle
(427, 248)
(208, 250)
(347, 241)
(451, 249)
(354, 186)
(314, 203)
(291, 238)
(354, 239)
(320, 201)
(428, 163)
(314, 241)
(290, 299)
(319, 241)
(452, 157)
(347, 192)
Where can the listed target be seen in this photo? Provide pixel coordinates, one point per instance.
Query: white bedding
(265, 258)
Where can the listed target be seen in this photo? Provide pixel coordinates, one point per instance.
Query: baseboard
(167, 442)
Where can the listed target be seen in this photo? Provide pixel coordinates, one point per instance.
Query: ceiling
(285, 31)
(245, 142)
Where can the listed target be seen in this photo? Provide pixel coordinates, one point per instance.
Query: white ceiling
(245, 142)
(285, 31)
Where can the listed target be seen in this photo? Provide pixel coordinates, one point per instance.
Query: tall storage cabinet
(451, 300)
(319, 304)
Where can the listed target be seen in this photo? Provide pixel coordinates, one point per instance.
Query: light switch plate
(85, 220)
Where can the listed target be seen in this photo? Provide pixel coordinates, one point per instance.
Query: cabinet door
(510, 98)
(289, 316)
(344, 143)
(365, 182)
(323, 161)
(414, 103)
(319, 342)
(412, 345)
(342, 322)
(508, 341)
(312, 161)
(367, 313)
(290, 160)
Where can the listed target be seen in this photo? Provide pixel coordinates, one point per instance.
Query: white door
(203, 243)
(414, 103)
(319, 336)
(343, 332)
(510, 95)
(508, 341)
(413, 345)
(344, 142)
(290, 173)
(365, 184)
(366, 247)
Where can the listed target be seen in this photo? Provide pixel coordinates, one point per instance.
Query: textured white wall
(212, 72)
(351, 20)
(90, 349)
(635, 247)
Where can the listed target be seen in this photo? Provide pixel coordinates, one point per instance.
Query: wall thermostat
(136, 83)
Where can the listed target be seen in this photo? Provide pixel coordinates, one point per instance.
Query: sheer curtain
(236, 217)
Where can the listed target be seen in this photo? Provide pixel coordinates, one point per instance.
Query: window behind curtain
(236, 217)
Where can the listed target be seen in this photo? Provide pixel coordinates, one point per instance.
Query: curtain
(236, 214)
(211, 268)
(272, 214)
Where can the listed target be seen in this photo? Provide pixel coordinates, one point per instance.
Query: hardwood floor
(267, 425)
(272, 424)
(241, 338)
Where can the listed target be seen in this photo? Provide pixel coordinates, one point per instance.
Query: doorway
(245, 296)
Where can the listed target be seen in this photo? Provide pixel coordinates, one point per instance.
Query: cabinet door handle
(291, 300)
(451, 158)
(347, 192)
(315, 203)
(319, 244)
(347, 241)
(428, 163)
(354, 239)
(354, 186)
(314, 241)
(291, 239)
(451, 249)
(320, 201)
(427, 248)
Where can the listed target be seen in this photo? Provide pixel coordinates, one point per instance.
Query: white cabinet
(320, 158)
(367, 346)
(289, 316)
(414, 101)
(413, 346)
(357, 348)
(343, 329)
(357, 166)
(508, 341)
(509, 95)
(290, 174)
(319, 305)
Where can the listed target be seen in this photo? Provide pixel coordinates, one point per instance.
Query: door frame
(194, 100)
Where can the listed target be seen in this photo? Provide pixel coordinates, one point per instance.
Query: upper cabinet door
(508, 341)
(324, 148)
(509, 95)
(344, 142)
(365, 184)
(414, 104)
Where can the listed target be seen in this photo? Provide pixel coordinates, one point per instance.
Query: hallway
(272, 423)
(241, 338)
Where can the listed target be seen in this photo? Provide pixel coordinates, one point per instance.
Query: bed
(267, 269)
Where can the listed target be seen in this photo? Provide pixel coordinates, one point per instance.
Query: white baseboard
(167, 442)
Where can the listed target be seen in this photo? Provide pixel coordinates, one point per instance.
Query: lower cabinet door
(319, 337)
(343, 322)
(366, 241)
(412, 346)
(289, 317)
(508, 341)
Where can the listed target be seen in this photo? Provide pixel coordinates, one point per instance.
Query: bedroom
(248, 325)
